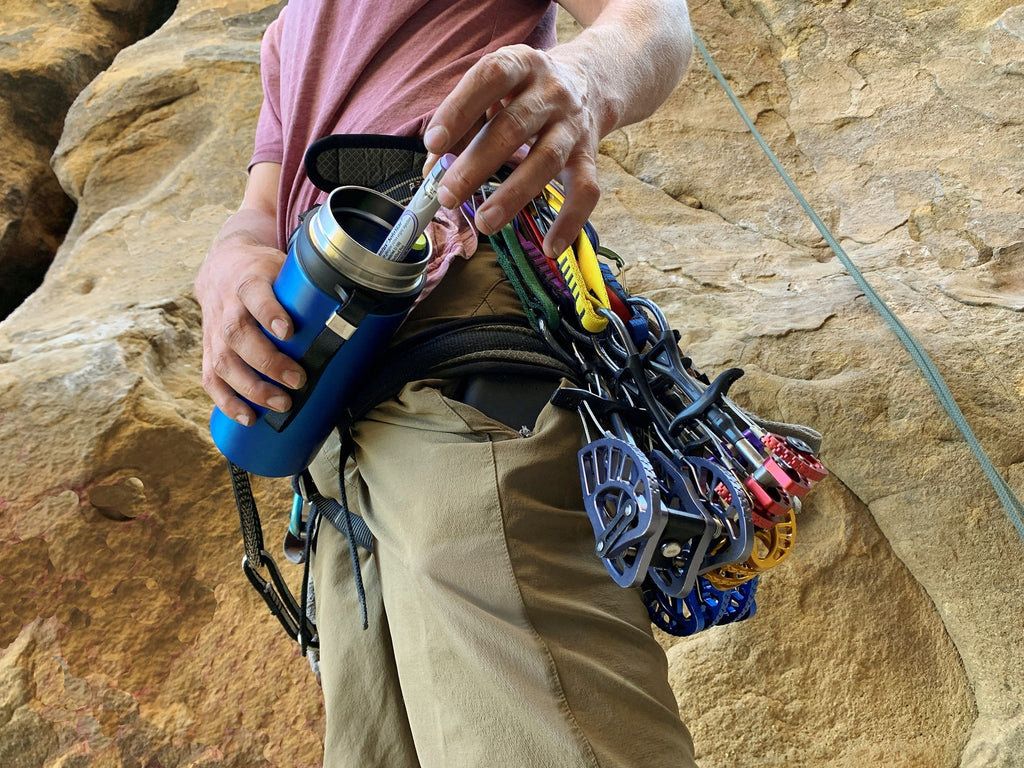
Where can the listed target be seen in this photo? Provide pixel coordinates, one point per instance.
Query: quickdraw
(691, 498)
(581, 271)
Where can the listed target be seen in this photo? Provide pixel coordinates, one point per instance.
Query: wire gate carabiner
(691, 499)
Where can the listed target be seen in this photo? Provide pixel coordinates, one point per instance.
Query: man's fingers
(490, 79)
(227, 368)
(491, 113)
(432, 157)
(545, 160)
(493, 144)
(242, 367)
(259, 354)
(240, 351)
(256, 293)
(579, 180)
(524, 119)
(225, 398)
(528, 98)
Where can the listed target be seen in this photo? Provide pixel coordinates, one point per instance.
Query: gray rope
(1012, 505)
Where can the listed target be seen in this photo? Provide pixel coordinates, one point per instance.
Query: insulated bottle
(345, 302)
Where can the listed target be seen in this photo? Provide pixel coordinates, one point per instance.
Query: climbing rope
(1009, 500)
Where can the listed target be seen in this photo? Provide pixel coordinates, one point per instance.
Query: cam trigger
(709, 397)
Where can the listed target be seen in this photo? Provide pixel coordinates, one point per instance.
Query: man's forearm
(634, 51)
(255, 222)
(561, 102)
(249, 226)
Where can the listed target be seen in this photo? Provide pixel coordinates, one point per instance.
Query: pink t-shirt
(378, 66)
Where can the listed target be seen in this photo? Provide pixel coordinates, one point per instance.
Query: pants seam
(555, 677)
(485, 301)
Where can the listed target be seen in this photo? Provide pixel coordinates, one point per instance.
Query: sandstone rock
(901, 118)
(129, 635)
(118, 523)
(48, 54)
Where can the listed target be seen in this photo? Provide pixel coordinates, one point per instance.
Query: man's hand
(559, 102)
(234, 288)
(527, 96)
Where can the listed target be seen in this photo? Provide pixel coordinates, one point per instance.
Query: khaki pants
(496, 636)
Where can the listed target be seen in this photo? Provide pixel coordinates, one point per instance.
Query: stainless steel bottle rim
(340, 249)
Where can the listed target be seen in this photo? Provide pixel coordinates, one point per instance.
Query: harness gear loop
(537, 305)
(581, 272)
(688, 496)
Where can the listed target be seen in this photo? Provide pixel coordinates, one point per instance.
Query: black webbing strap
(274, 591)
(252, 532)
(337, 513)
(356, 531)
(349, 522)
(458, 348)
(314, 361)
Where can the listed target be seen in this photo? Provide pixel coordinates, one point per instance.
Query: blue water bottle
(346, 302)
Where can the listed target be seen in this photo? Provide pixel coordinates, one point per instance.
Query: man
(496, 637)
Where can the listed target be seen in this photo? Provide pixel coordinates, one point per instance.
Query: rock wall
(48, 53)
(129, 635)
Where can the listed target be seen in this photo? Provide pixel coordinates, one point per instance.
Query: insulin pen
(417, 215)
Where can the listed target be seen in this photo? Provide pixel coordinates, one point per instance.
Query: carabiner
(279, 599)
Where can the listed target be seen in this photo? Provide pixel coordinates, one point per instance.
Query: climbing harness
(690, 497)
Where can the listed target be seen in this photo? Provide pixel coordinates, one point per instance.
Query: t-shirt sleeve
(269, 143)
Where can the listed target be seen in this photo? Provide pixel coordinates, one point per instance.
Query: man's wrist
(248, 228)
